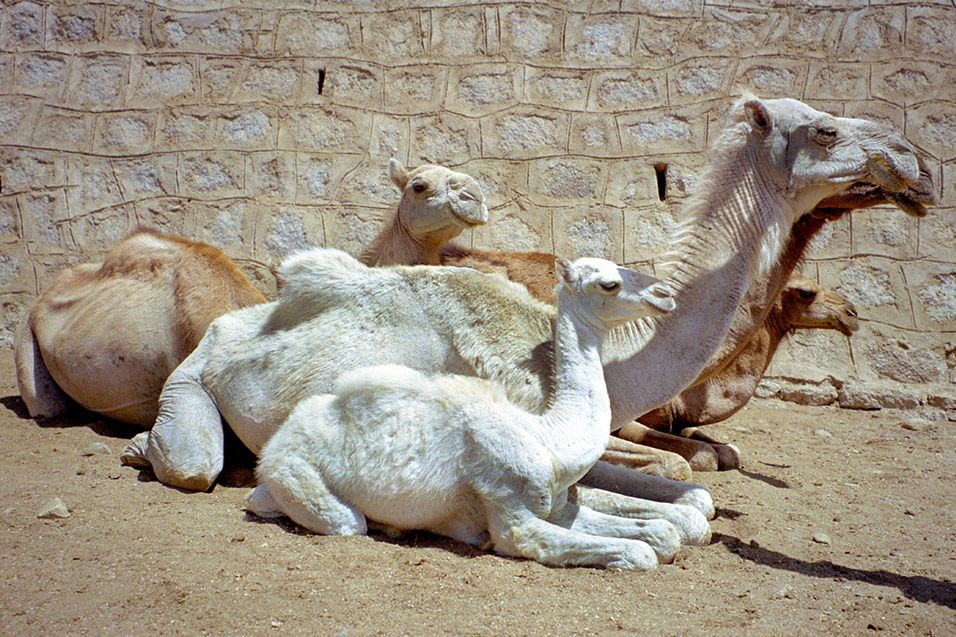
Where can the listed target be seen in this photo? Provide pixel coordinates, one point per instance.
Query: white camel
(108, 335)
(775, 161)
(451, 455)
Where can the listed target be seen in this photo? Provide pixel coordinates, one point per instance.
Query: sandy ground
(841, 522)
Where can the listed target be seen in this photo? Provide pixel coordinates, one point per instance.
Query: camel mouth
(912, 200)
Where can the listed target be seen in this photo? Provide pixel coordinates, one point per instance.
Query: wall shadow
(915, 587)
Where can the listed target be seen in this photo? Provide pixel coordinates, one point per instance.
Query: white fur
(451, 455)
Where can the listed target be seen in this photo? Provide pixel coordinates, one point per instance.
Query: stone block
(98, 82)
(658, 40)
(276, 81)
(649, 231)
(882, 352)
(773, 76)
(61, 129)
(665, 8)
(723, 30)
(832, 241)
(24, 170)
(13, 307)
(932, 288)
(16, 271)
(220, 78)
(813, 355)
(813, 33)
(368, 185)
(358, 85)
(937, 234)
(153, 175)
(482, 89)
(874, 285)
(319, 176)
(93, 185)
(515, 227)
(270, 176)
(525, 133)
(567, 180)
(126, 28)
(875, 110)
(884, 231)
(836, 81)
(167, 214)
(324, 129)
(905, 82)
(316, 34)
(444, 139)
(697, 81)
(559, 88)
(664, 131)
(396, 36)
(18, 118)
(228, 225)
(167, 81)
(929, 32)
(594, 136)
(184, 128)
(502, 182)
(42, 74)
(458, 34)
(876, 395)
(211, 175)
(873, 33)
(125, 132)
(99, 231)
(933, 128)
(74, 28)
(593, 231)
(21, 26)
(941, 396)
(390, 138)
(282, 229)
(804, 393)
(632, 183)
(350, 228)
(253, 127)
(411, 89)
(622, 91)
(210, 31)
(43, 213)
(10, 230)
(607, 39)
(531, 32)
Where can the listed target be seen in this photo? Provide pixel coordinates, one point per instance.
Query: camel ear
(758, 116)
(397, 173)
(562, 268)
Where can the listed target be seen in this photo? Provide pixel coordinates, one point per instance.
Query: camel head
(805, 304)
(608, 294)
(437, 203)
(809, 155)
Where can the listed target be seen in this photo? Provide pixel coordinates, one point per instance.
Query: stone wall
(265, 126)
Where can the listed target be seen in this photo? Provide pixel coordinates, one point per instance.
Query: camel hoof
(134, 455)
(672, 468)
(728, 456)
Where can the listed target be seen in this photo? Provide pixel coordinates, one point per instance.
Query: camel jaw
(912, 199)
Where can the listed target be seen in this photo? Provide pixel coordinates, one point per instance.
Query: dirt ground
(841, 522)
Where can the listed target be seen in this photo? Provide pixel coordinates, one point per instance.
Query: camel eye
(612, 286)
(418, 186)
(806, 294)
(825, 135)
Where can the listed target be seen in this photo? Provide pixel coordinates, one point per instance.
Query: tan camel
(774, 163)
(802, 305)
(108, 335)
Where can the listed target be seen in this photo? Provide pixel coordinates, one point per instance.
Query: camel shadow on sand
(915, 587)
(77, 417)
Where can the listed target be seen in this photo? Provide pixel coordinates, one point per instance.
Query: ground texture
(840, 522)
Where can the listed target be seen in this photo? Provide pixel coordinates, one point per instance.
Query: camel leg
(728, 455)
(660, 535)
(700, 455)
(42, 396)
(296, 490)
(640, 485)
(655, 462)
(692, 527)
(516, 531)
(185, 447)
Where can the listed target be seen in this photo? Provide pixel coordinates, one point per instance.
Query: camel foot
(725, 455)
(134, 455)
(662, 464)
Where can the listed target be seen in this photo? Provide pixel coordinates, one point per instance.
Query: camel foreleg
(608, 477)
(699, 455)
(655, 462)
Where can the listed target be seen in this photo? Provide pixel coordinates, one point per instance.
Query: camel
(451, 455)
(436, 205)
(803, 304)
(108, 335)
(774, 162)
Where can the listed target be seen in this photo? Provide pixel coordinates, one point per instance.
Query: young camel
(775, 162)
(108, 335)
(451, 455)
(802, 305)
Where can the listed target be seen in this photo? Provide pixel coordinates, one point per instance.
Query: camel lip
(847, 326)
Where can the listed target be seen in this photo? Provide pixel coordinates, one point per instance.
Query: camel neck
(396, 245)
(734, 231)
